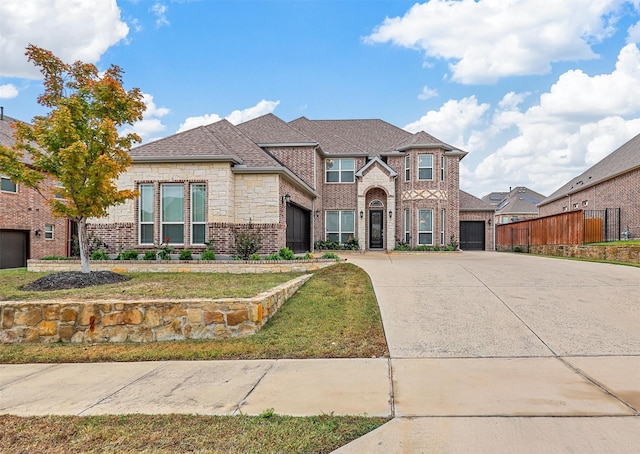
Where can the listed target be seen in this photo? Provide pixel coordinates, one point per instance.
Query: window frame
(407, 168)
(422, 167)
(407, 225)
(443, 223)
(203, 222)
(428, 230)
(4, 178)
(443, 172)
(49, 232)
(339, 170)
(164, 223)
(141, 223)
(340, 232)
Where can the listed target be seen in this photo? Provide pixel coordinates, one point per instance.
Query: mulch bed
(74, 279)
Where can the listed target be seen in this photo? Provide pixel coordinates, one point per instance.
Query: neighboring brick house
(477, 228)
(27, 227)
(519, 204)
(614, 182)
(297, 182)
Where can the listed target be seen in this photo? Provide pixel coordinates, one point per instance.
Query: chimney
(1, 113)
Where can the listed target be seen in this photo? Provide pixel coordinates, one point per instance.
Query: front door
(376, 219)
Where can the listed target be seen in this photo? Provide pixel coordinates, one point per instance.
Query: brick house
(27, 227)
(519, 204)
(477, 228)
(296, 182)
(614, 182)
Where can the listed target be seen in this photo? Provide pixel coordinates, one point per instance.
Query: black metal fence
(602, 225)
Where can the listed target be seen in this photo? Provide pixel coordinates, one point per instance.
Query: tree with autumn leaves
(78, 143)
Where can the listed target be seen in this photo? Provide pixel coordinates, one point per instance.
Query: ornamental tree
(78, 143)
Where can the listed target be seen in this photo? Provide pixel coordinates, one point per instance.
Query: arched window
(376, 204)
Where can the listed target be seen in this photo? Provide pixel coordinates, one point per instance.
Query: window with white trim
(198, 213)
(425, 227)
(339, 225)
(48, 231)
(407, 226)
(443, 222)
(57, 186)
(425, 167)
(340, 170)
(407, 168)
(6, 185)
(172, 213)
(146, 214)
(443, 171)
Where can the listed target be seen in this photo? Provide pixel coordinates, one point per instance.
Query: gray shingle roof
(621, 160)
(424, 139)
(7, 139)
(220, 139)
(470, 202)
(520, 200)
(269, 129)
(368, 137)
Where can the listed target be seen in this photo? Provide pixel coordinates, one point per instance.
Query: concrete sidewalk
(489, 353)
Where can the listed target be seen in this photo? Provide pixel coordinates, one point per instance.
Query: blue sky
(535, 90)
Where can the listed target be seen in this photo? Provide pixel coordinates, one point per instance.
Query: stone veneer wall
(184, 266)
(629, 254)
(142, 320)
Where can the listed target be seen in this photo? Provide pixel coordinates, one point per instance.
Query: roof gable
(269, 130)
(470, 202)
(622, 160)
(376, 160)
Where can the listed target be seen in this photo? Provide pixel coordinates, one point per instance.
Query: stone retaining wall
(142, 320)
(629, 254)
(184, 266)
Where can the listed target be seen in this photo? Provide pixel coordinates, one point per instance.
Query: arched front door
(376, 224)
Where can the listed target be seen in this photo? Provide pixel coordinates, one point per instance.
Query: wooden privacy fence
(563, 228)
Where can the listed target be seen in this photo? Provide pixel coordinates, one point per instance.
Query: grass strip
(334, 315)
(182, 433)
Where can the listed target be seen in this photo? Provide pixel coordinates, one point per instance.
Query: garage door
(472, 235)
(298, 229)
(13, 248)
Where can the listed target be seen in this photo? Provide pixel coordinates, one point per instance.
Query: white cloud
(237, 116)
(71, 29)
(8, 91)
(487, 40)
(427, 93)
(452, 123)
(151, 125)
(633, 33)
(579, 121)
(160, 11)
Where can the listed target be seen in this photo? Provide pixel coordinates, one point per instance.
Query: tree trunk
(83, 243)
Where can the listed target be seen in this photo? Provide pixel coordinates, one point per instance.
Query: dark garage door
(13, 248)
(298, 229)
(472, 235)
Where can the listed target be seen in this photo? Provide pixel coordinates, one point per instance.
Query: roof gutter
(199, 158)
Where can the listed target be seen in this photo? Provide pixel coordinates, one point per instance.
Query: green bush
(326, 244)
(128, 255)
(208, 255)
(274, 256)
(99, 255)
(287, 254)
(56, 257)
(248, 241)
(186, 255)
(150, 255)
(330, 255)
(254, 257)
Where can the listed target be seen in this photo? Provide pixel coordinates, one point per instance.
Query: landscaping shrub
(208, 255)
(247, 241)
(330, 255)
(150, 255)
(99, 255)
(128, 255)
(186, 255)
(254, 257)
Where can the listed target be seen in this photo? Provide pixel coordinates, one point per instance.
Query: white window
(442, 224)
(146, 213)
(57, 186)
(340, 170)
(443, 171)
(585, 203)
(7, 185)
(425, 167)
(505, 219)
(198, 213)
(407, 168)
(172, 213)
(425, 227)
(48, 231)
(407, 226)
(340, 226)
(575, 206)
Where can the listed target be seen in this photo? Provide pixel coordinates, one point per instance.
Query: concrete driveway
(488, 350)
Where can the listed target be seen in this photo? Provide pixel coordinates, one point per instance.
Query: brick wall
(488, 229)
(619, 192)
(299, 159)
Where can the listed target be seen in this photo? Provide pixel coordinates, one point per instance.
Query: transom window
(7, 185)
(340, 170)
(425, 167)
(376, 204)
(340, 226)
(425, 227)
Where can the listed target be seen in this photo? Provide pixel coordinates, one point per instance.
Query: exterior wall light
(390, 213)
(286, 198)
(361, 214)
